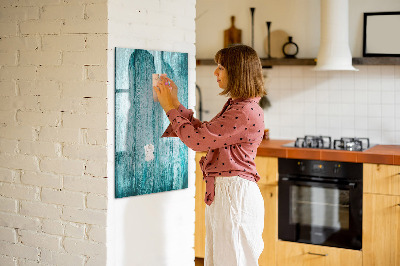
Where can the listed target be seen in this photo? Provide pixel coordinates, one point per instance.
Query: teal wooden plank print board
(145, 163)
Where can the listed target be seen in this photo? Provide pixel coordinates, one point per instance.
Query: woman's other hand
(174, 90)
(164, 95)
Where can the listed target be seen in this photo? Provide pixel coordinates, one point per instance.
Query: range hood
(334, 51)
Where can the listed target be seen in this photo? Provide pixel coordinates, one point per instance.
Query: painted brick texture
(53, 153)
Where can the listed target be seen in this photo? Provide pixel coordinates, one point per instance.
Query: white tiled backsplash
(331, 103)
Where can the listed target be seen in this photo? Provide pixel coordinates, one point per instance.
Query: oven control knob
(336, 169)
(302, 167)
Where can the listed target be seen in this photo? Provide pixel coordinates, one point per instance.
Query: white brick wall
(53, 107)
(53, 130)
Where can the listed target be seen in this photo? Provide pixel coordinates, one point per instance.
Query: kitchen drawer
(298, 254)
(381, 179)
(267, 168)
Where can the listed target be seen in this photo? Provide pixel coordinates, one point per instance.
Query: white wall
(53, 185)
(298, 18)
(155, 229)
(338, 104)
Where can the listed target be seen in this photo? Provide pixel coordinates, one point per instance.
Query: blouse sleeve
(223, 131)
(186, 113)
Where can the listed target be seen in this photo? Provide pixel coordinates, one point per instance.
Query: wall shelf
(265, 62)
(312, 61)
(376, 61)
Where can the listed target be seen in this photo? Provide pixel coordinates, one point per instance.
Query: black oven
(320, 202)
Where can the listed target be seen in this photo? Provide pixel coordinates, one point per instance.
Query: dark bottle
(290, 49)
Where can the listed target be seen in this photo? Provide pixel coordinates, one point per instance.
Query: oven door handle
(330, 184)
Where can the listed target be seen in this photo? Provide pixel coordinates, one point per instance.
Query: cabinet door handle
(318, 254)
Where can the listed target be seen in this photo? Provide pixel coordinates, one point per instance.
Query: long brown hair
(245, 78)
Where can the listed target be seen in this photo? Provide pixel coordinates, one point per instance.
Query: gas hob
(325, 142)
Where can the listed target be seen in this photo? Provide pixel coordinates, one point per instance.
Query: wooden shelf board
(376, 61)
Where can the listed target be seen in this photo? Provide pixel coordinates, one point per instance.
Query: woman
(235, 207)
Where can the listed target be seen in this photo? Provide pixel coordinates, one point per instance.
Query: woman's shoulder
(248, 104)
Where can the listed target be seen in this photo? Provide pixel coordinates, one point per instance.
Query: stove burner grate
(324, 142)
(351, 144)
(321, 142)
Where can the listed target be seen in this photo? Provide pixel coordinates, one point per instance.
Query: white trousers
(234, 223)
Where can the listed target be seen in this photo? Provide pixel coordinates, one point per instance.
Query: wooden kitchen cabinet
(381, 230)
(200, 207)
(267, 168)
(381, 179)
(270, 233)
(381, 215)
(298, 254)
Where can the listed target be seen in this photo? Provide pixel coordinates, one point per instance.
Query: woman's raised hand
(164, 94)
(174, 90)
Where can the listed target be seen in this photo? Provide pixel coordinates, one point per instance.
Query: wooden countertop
(379, 154)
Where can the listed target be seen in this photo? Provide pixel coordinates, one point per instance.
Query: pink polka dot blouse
(231, 139)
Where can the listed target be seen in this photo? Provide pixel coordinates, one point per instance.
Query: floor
(199, 262)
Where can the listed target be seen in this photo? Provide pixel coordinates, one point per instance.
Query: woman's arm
(187, 113)
(228, 129)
